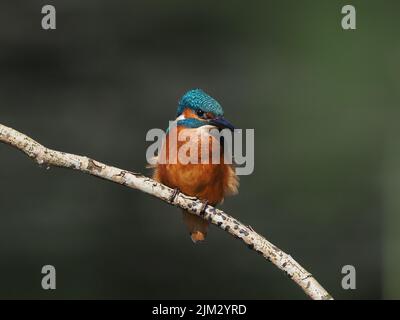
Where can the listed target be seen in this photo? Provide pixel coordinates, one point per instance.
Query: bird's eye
(200, 113)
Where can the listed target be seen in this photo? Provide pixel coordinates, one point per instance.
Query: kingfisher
(210, 181)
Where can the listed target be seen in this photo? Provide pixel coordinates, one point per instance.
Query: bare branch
(252, 239)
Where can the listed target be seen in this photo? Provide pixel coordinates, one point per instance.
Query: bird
(211, 182)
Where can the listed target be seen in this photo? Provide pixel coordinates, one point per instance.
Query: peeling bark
(254, 241)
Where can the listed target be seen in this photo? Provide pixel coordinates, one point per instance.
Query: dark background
(324, 105)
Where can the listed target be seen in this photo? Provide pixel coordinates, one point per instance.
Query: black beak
(222, 123)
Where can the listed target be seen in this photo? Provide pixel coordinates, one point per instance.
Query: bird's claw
(173, 195)
(250, 227)
(204, 204)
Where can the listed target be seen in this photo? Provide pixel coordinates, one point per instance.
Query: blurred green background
(324, 105)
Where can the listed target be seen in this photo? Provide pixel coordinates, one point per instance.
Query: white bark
(252, 239)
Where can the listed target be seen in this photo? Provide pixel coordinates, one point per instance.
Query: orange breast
(206, 181)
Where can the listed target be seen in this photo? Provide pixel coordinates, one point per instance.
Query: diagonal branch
(252, 239)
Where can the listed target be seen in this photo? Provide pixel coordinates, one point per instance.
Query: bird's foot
(173, 195)
(204, 204)
(250, 227)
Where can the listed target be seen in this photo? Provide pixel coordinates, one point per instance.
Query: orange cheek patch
(189, 114)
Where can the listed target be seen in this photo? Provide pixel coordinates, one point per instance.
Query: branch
(48, 157)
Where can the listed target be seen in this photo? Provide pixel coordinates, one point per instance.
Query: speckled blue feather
(191, 123)
(197, 99)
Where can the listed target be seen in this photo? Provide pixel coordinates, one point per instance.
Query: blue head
(197, 100)
(196, 108)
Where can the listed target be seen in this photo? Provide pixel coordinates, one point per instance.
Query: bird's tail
(197, 226)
